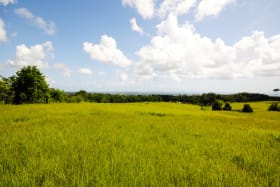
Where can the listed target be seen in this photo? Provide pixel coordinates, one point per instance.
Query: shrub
(274, 107)
(227, 107)
(247, 108)
(217, 105)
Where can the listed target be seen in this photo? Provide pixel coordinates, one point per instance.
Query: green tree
(6, 94)
(247, 108)
(30, 86)
(227, 107)
(276, 90)
(57, 96)
(274, 107)
(81, 95)
(217, 105)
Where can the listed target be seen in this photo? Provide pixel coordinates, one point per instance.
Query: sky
(170, 46)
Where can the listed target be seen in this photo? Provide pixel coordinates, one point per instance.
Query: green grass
(141, 144)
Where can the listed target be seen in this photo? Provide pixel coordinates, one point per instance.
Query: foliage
(6, 94)
(247, 108)
(227, 107)
(245, 97)
(57, 96)
(217, 105)
(137, 144)
(274, 107)
(29, 86)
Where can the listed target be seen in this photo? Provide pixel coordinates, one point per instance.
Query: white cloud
(211, 8)
(123, 76)
(47, 27)
(106, 52)
(257, 55)
(135, 27)
(66, 70)
(177, 7)
(3, 33)
(144, 7)
(85, 71)
(180, 52)
(32, 56)
(161, 8)
(144, 71)
(6, 2)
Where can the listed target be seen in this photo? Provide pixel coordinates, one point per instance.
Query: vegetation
(276, 90)
(57, 96)
(274, 107)
(29, 86)
(217, 105)
(247, 108)
(227, 107)
(5, 91)
(138, 144)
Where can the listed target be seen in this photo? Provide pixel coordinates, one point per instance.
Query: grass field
(140, 144)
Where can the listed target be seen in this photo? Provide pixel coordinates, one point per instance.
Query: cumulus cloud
(85, 71)
(144, 7)
(3, 33)
(211, 8)
(32, 56)
(135, 27)
(6, 2)
(257, 55)
(47, 27)
(106, 52)
(161, 8)
(177, 7)
(63, 67)
(144, 71)
(180, 52)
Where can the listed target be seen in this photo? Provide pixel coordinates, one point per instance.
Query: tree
(276, 90)
(208, 99)
(274, 107)
(217, 105)
(247, 108)
(57, 96)
(227, 107)
(81, 95)
(30, 86)
(6, 94)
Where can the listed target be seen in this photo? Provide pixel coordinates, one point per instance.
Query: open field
(139, 144)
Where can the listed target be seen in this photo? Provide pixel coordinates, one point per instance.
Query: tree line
(29, 86)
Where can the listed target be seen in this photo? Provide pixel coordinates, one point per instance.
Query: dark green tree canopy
(5, 90)
(247, 108)
(274, 107)
(217, 105)
(29, 86)
(227, 107)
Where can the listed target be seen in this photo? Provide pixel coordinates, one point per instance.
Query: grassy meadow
(138, 144)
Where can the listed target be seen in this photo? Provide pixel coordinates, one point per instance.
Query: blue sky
(183, 46)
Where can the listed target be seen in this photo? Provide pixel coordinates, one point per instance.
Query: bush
(274, 107)
(227, 107)
(217, 105)
(247, 108)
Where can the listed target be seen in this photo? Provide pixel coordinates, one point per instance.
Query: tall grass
(142, 144)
